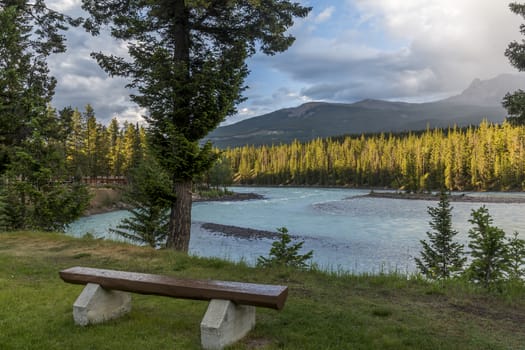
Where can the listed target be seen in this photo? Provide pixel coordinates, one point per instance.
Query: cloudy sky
(345, 51)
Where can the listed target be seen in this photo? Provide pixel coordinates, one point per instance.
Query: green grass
(323, 311)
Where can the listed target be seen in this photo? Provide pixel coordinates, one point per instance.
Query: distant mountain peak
(489, 92)
(303, 109)
(479, 101)
(379, 104)
(475, 83)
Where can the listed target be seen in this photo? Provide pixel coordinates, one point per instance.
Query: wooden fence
(105, 180)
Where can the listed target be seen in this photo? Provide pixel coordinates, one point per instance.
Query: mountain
(481, 100)
(489, 92)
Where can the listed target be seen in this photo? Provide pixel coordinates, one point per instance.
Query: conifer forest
(482, 158)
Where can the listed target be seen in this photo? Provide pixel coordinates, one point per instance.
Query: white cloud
(466, 37)
(408, 49)
(243, 113)
(345, 50)
(325, 15)
(131, 114)
(64, 5)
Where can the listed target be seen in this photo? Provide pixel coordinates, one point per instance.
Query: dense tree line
(487, 157)
(93, 149)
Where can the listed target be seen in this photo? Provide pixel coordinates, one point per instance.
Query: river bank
(463, 197)
(382, 192)
(106, 200)
(230, 197)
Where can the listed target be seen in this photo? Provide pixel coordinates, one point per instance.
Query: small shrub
(88, 236)
(516, 258)
(181, 265)
(382, 312)
(284, 253)
(81, 255)
(213, 193)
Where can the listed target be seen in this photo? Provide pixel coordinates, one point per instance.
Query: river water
(346, 231)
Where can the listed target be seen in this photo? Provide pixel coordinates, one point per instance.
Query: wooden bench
(229, 317)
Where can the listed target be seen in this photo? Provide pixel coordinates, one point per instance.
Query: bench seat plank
(263, 295)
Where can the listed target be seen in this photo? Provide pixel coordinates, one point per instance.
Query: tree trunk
(180, 217)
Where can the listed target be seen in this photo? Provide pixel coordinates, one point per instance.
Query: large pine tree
(31, 149)
(188, 66)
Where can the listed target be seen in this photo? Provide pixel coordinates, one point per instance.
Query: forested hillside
(481, 100)
(488, 157)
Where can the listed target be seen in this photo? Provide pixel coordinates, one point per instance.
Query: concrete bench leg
(225, 322)
(96, 304)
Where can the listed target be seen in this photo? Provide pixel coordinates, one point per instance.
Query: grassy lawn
(323, 311)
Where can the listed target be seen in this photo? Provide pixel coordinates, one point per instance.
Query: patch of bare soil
(258, 343)
(104, 200)
(485, 310)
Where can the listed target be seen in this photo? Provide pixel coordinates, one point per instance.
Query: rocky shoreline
(98, 207)
(234, 197)
(239, 232)
(452, 198)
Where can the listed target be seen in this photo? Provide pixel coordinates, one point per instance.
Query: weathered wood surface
(263, 295)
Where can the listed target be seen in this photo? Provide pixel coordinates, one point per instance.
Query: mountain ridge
(480, 100)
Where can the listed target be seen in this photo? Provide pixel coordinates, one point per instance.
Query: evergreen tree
(284, 253)
(489, 250)
(220, 174)
(39, 195)
(76, 154)
(516, 258)
(148, 223)
(441, 258)
(90, 141)
(188, 66)
(114, 141)
(31, 149)
(30, 33)
(131, 147)
(102, 151)
(515, 102)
